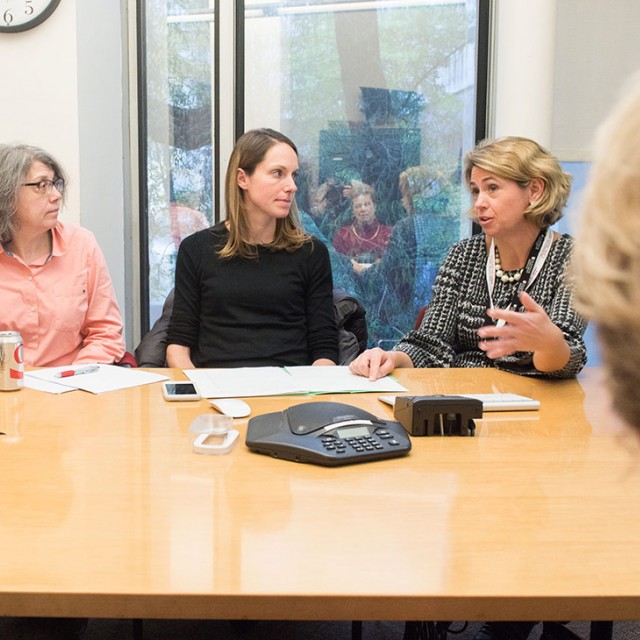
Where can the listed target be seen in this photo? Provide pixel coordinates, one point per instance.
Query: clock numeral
(21, 15)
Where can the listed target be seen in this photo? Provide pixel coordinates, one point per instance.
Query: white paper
(31, 382)
(340, 380)
(279, 381)
(243, 381)
(107, 378)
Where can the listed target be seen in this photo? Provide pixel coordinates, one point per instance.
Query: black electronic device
(180, 391)
(437, 415)
(326, 433)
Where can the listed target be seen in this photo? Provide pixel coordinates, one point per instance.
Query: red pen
(76, 372)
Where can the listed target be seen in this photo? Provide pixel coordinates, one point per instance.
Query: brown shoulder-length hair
(249, 151)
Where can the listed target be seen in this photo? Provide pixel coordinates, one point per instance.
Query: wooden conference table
(105, 511)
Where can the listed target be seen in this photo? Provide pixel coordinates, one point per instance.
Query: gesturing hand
(531, 330)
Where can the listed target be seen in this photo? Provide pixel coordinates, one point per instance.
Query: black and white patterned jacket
(448, 334)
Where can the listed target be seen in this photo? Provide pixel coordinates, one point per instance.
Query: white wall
(64, 89)
(522, 70)
(103, 135)
(39, 104)
(558, 67)
(596, 52)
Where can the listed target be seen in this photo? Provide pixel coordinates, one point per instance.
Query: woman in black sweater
(254, 290)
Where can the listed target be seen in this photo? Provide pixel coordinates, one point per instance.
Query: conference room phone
(326, 433)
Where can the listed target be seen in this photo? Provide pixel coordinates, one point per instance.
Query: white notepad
(504, 401)
(491, 401)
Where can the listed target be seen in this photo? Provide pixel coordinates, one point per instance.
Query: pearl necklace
(503, 275)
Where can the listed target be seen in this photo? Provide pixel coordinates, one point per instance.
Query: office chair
(420, 316)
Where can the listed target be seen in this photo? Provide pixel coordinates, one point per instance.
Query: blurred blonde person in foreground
(607, 257)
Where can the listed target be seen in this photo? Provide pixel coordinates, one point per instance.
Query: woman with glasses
(55, 285)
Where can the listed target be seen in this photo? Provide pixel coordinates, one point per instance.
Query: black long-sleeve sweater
(275, 310)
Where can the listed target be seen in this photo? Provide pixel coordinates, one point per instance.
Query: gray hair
(15, 162)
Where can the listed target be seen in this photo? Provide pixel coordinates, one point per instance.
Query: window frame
(485, 10)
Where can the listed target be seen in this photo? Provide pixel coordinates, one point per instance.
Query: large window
(380, 98)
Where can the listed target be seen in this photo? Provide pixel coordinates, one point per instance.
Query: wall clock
(20, 15)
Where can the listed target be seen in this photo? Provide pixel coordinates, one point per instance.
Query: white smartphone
(180, 391)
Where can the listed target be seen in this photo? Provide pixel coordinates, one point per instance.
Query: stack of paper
(280, 381)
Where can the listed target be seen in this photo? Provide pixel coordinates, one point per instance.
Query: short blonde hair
(522, 160)
(606, 262)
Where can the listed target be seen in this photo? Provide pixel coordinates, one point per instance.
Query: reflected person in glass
(501, 298)
(418, 245)
(254, 289)
(364, 239)
(331, 205)
(56, 290)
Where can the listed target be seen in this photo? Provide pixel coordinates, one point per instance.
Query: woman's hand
(376, 363)
(531, 330)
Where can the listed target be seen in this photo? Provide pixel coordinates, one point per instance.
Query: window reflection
(372, 92)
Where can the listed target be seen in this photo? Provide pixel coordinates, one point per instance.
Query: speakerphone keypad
(359, 444)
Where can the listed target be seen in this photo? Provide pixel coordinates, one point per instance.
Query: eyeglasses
(43, 187)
